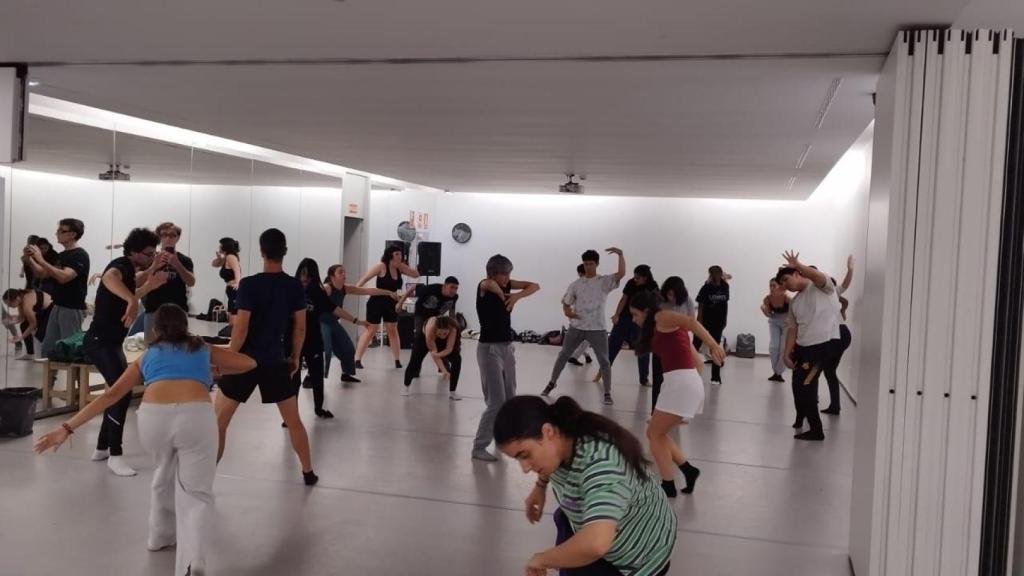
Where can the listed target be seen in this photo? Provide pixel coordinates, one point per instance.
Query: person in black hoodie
(713, 311)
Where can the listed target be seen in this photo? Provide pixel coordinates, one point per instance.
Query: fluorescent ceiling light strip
(104, 119)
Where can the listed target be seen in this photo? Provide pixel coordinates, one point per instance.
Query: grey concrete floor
(398, 493)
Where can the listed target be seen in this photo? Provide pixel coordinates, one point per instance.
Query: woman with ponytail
(178, 427)
(666, 334)
(612, 519)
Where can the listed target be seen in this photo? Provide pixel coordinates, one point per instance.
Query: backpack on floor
(745, 346)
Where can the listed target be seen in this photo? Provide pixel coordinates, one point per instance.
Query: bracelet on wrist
(67, 427)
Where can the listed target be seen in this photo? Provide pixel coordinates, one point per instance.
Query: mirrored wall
(115, 181)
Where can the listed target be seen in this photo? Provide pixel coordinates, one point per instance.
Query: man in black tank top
(494, 353)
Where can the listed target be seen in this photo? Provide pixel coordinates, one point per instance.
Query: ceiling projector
(571, 187)
(115, 174)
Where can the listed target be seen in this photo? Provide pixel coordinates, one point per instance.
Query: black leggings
(830, 371)
(30, 346)
(599, 568)
(452, 362)
(110, 361)
(715, 330)
(314, 361)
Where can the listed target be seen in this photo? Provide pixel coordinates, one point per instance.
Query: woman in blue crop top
(178, 427)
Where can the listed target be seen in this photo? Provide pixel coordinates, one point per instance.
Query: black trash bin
(17, 408)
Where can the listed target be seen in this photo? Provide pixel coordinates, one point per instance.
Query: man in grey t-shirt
(812, 339)
(584, 306)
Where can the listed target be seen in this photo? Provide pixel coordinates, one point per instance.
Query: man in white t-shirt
(812, 338)
(584, 306)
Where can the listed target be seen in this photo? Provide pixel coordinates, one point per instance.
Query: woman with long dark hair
(623, 329)
(318, 304)
(675, 297)
(713, 311)
(336, 340)
(667, 334)
(388, 273)
(612, 517)
(178, 427)
(34, 310)
(227, 259)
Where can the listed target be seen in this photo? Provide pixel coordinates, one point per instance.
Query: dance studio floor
(399, 495)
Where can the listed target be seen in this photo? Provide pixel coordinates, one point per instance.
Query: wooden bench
(78, 390)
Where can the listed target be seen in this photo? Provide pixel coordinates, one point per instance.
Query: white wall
(544, 236)
(311, 218)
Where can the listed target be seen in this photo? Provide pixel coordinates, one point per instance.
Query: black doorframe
(997, 515)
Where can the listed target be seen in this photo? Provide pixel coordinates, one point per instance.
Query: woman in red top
(667, 335)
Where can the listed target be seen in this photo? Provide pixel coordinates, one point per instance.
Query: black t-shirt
(72, 294)
(714, 301)
(107, 324)
(632, 288)
(495, 319)
(271, 298)
(431, 301)
(173, 292)
(318, 305)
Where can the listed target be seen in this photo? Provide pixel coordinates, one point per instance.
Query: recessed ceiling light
(33, 83)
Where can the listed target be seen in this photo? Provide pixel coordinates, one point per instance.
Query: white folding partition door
(950, 92)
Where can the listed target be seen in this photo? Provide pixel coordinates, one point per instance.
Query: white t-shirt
(587, 297)
(815, 313)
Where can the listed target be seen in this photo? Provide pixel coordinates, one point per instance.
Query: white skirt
(682, 393)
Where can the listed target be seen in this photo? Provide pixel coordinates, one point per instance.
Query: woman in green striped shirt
(613, 519)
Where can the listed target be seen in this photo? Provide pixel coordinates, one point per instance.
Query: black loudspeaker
(401, 245)
(428, 258)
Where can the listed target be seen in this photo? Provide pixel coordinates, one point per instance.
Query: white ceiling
(684, 126)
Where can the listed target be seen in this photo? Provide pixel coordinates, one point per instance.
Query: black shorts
(273, 381)
(381, 309)
(232, 295)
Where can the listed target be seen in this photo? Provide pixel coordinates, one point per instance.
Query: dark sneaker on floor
(310, 478)
(831, 410)
(575, 362)
(608, 400)
(359, 365)
(777, 378)
(324, 414)
(669, 486)
(548, 389)
(349, 378)
(811, 435)
(398, 363)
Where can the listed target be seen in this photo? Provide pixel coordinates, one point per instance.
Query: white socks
(99, 455)
(118, 466)
(454, 396)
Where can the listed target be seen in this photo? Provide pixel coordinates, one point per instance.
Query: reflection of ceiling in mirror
(69, 149)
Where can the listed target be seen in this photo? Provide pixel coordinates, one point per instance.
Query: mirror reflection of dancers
(33, 308)
(388, 273)
(336, 339)
(227, 259)
(666, 333)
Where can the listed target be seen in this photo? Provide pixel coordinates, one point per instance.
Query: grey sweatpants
(497, 363)
(598, 340)
(63, 322)
(183, 441)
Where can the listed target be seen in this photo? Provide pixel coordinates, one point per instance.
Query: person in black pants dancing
(117, 305)
(812, 338)
(845, 338)
(713, 311)
(336, 340)
(318, 305)
(623, 329)
(438, 337)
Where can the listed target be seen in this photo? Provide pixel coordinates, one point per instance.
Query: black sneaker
(359, 365)
(811, 435)
(548, 389)
(349, 378)
(398, 363)
(575, 362)
(690, 472)
(310, 478)
(608, 400)
(324, 414)
(777, 378)
(669, 486)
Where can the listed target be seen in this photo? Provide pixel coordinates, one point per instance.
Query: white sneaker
(118, 466)
(405, 390)
(454, 396)
(100, 455)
